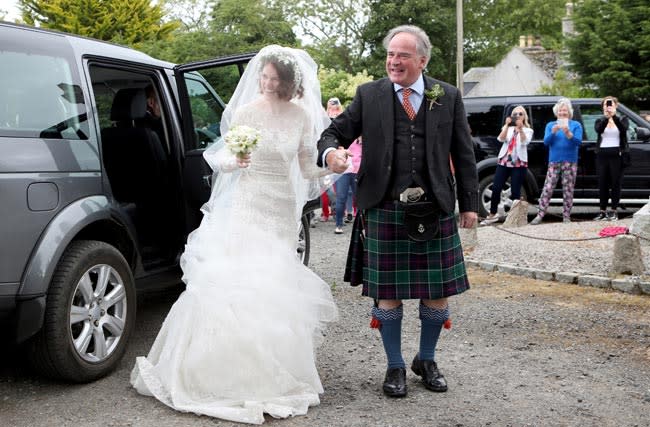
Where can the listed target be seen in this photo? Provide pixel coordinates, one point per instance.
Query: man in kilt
(412, 125)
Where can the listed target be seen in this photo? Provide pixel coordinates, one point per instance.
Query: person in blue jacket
(563, 138)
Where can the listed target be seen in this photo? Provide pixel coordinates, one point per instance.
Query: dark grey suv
(486, 116)
(97, 198)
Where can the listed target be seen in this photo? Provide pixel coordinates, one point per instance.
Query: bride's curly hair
(288, 71)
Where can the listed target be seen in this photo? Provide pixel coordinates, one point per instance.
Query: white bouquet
(241, 140)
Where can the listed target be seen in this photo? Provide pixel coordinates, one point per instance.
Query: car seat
(134, 158)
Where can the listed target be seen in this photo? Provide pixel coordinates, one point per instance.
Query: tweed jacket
(371, 115)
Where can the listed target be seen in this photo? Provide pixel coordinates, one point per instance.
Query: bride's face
(269, 80)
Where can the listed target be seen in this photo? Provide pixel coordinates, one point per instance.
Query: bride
(240, 340)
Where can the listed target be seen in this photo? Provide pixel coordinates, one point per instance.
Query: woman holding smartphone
(563, 138)
(515, 135)
(611, 149)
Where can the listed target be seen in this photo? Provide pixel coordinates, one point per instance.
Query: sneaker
(338, 230)
(566, 220)
(324, 218)
(602, 216)
(313, 222)
(612, 216)
(490, 219)
(537, 220)
(348, 218)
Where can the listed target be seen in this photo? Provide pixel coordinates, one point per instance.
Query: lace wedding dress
(240, 341)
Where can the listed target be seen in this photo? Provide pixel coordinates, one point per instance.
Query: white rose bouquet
(242, 140)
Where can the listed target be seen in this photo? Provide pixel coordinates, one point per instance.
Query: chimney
(529, 41)
(567, 21)
(522, 41)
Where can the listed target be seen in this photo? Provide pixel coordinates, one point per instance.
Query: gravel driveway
(521, 353)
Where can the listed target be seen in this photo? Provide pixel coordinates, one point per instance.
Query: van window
(540, 116)
(484, 120)
(40, 97)
(590, 113)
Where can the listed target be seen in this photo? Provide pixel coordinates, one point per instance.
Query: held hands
(337, 160)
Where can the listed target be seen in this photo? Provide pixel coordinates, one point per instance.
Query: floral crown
(284, 56)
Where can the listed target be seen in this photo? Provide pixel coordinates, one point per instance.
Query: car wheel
(303, 241)
(89, 314)
(485, 193)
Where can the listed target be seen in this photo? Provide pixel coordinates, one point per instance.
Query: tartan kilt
(391, 266)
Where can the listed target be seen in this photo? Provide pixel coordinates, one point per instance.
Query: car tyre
(89, 314)
(303, 249)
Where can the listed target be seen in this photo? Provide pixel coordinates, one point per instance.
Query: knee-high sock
(391, 334)
(432, 320)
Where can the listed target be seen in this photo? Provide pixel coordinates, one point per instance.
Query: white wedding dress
(240, 341)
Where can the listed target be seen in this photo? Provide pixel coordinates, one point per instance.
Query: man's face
(154, 107)
(403, 64)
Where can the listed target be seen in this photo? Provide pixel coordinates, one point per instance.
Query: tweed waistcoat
(409, 162)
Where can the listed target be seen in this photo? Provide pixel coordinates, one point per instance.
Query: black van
(97, 200)
(486, 116)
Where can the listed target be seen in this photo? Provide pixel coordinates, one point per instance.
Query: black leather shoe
(431, 376)
(395, 382)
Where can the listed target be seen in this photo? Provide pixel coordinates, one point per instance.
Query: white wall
(516, 74)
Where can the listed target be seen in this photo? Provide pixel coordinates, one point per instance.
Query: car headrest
(129, 104)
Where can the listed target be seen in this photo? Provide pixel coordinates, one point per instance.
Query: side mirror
(643, 134)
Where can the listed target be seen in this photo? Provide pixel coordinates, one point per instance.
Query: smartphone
(609, 103)
(563, 122)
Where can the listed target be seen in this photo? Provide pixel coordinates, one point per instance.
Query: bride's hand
(244, 161)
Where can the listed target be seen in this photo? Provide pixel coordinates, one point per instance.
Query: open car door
(204, 89)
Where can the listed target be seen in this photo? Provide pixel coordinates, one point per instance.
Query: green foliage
(566, 86)
(235, 26)
(611, 50)
(492, 28)
(437, 19)
(332, 30)
(129, 22)
(248, 25)
(336, 83)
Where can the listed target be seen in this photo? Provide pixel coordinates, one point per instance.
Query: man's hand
(337, 160)
(468, 219)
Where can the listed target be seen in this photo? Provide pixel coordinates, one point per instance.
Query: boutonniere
(432, 94)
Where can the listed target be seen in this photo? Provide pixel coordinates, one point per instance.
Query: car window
(207, 110)
(592, 112)
(40, 97)
(540, 116)
(484, 119)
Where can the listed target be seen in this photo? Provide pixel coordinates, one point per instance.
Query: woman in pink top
(347, 181)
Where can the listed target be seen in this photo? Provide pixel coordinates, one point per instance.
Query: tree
(338, 83)
(129, 22)
(565, 85)
(332, 30)
(492, 28)
(611, 50)
(248, 25)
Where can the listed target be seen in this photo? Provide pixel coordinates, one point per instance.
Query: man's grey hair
(566, 102)
(422, 43)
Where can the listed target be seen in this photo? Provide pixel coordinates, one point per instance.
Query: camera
(609, 103)
(513, 120)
